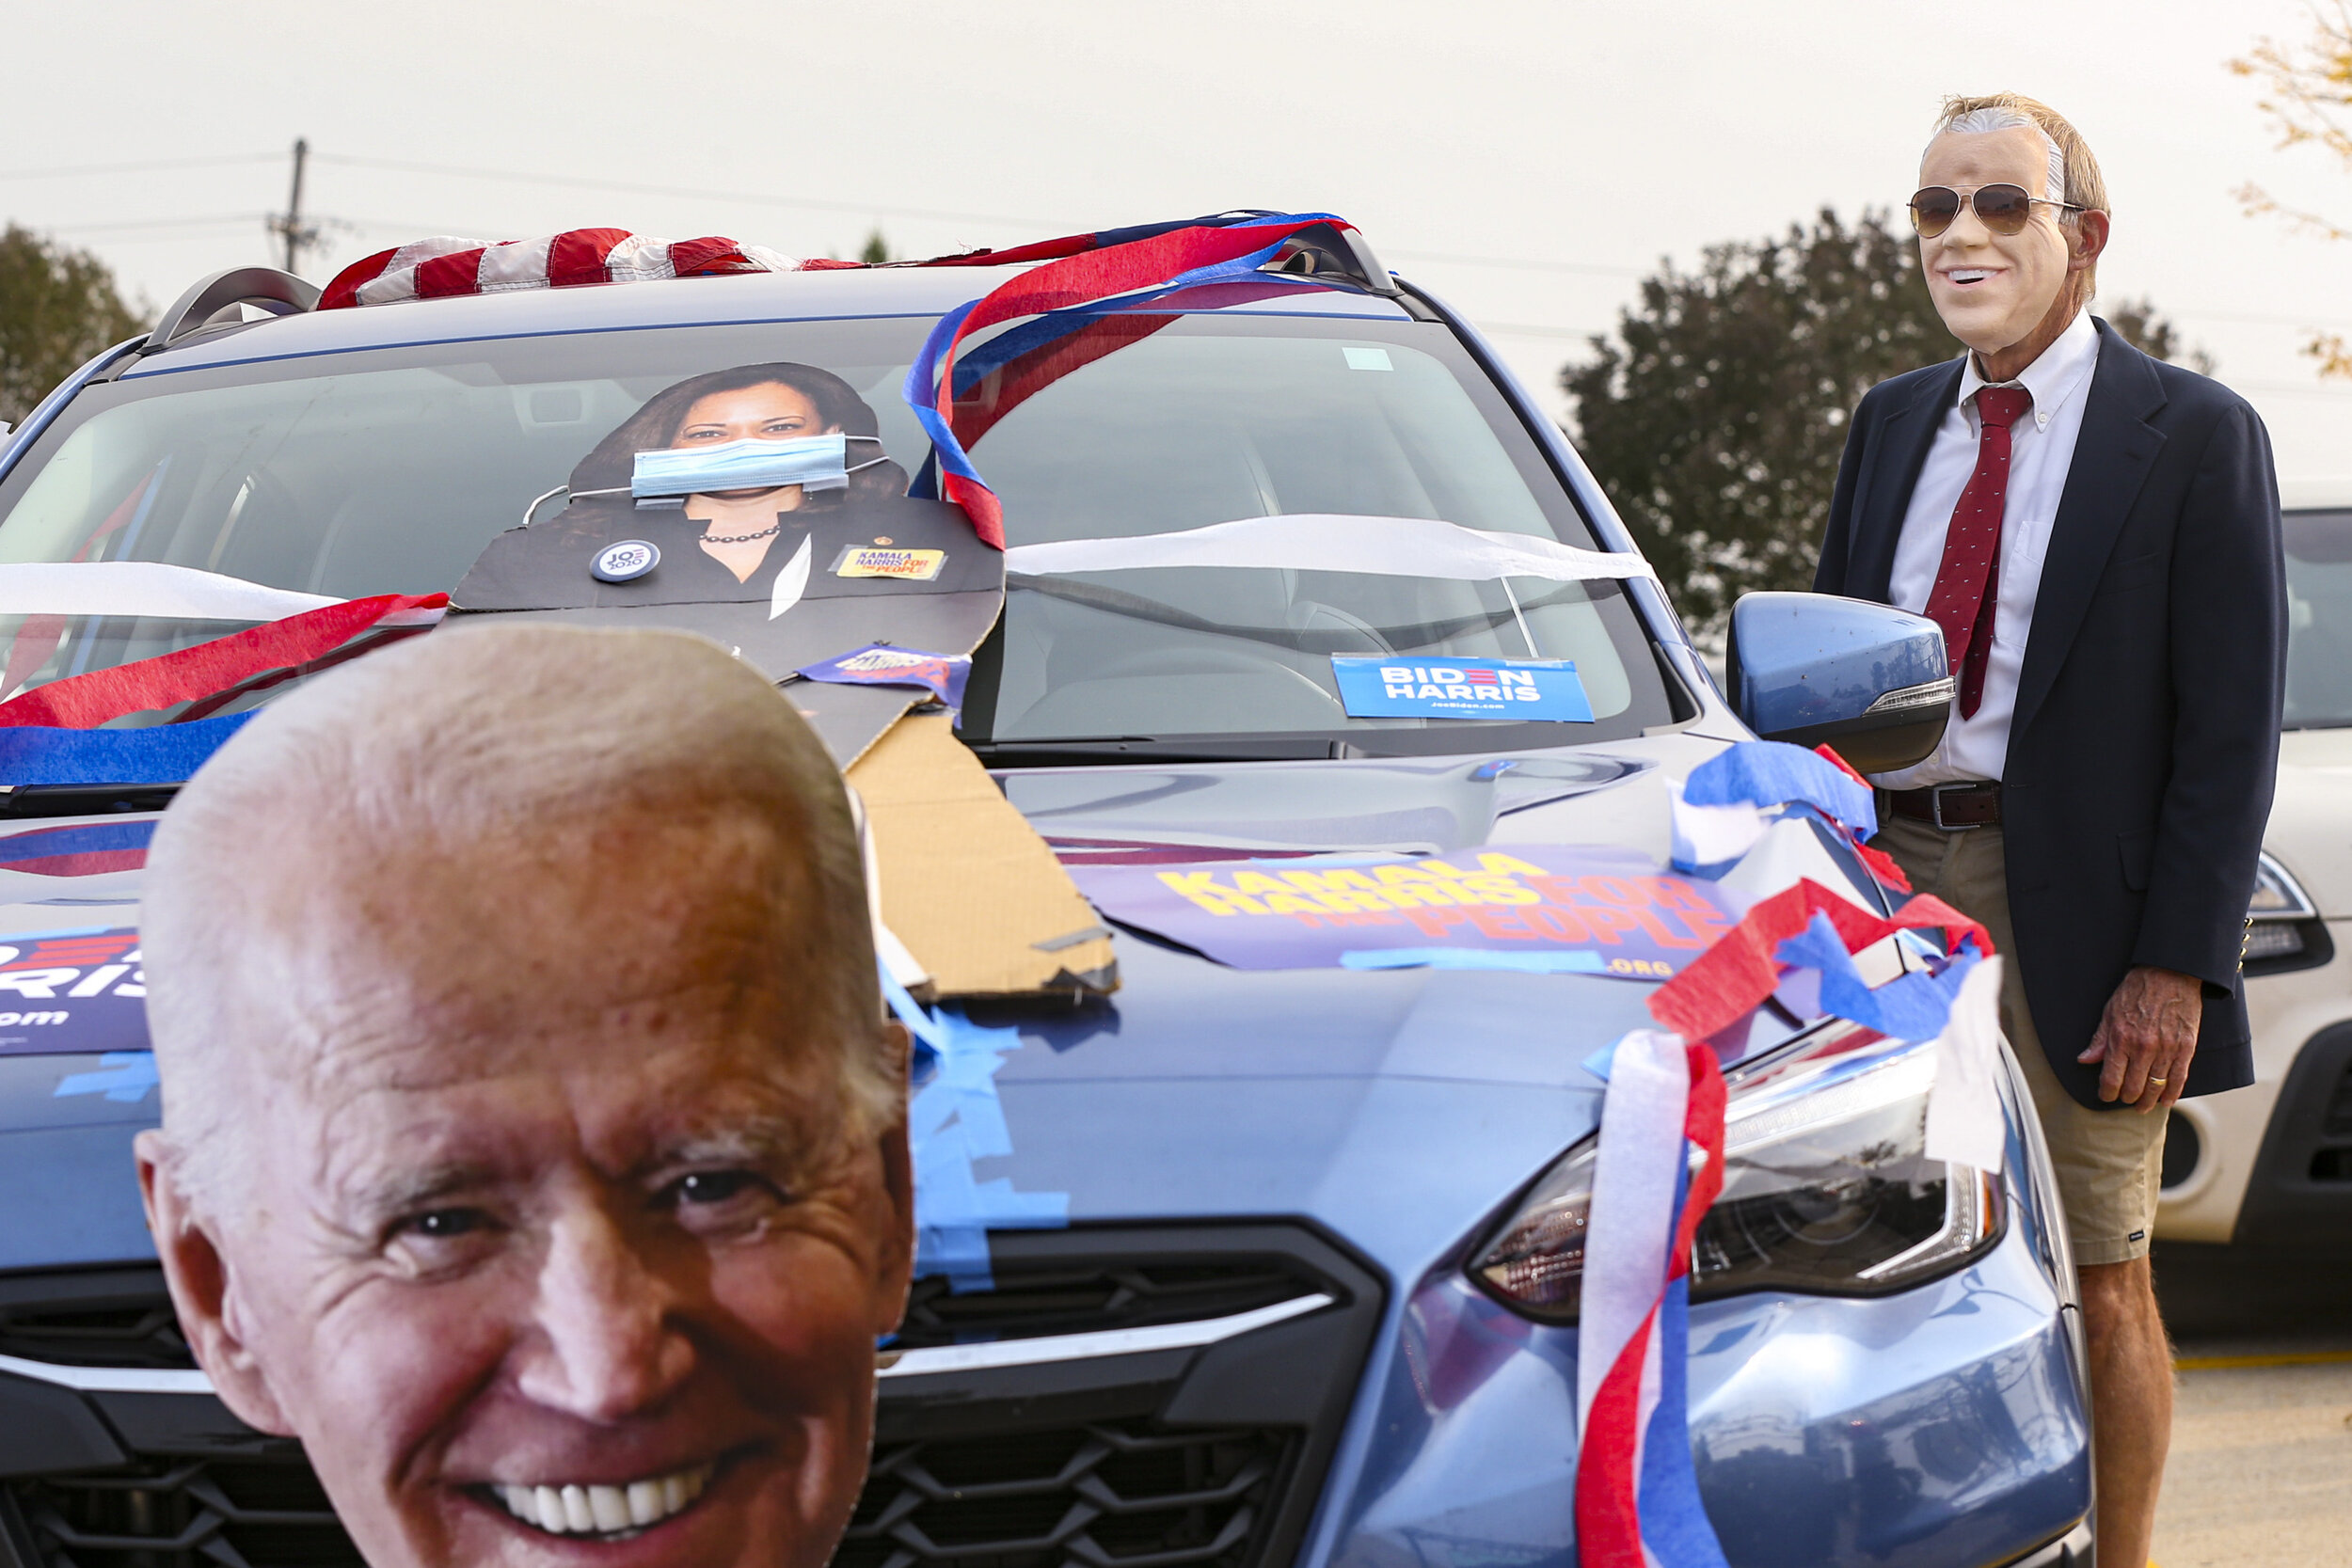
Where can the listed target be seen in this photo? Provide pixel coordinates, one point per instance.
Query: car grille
(1088, 1298)
(1106, 1495)
(1110, 1495)
(122, 1318)
(1107, 1463)
(2332, 1159)
(209, 1512)
(102, 1318)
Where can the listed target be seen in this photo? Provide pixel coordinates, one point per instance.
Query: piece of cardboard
(967, 884)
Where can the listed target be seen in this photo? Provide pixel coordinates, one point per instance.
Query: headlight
(2277, 895)
(2271, 914)
(2275, 913)
(1827, 1189)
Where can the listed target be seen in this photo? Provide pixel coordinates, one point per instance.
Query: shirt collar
(2051, 379)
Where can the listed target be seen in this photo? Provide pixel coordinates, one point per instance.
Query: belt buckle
(1935, 804)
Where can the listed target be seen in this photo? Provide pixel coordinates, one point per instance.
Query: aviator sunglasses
(2003, 208)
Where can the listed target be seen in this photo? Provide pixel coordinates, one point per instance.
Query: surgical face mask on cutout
(811, 462)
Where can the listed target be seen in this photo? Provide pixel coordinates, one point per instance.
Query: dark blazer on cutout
(2146, 734)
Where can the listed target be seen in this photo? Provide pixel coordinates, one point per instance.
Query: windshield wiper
(1140, 748)
(1422, 634)
(84, 800)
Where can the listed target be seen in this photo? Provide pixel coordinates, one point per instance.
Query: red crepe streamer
(85, 702)
(1844, 766)
(1882, 867)
(1083, 279)
(1733, 978)
(1881, 864)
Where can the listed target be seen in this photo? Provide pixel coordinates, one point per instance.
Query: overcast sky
(1530, 161)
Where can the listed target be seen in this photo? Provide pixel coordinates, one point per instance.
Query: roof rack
(1327, 251)
(280, 293)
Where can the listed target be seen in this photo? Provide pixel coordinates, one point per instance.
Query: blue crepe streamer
(1775, 773)
(95, 838)
(954, 1119)
(1915, 1007)
(124, 1075)
(1674, 1527)
(1577, 963)
(160, 754)
(920, 387)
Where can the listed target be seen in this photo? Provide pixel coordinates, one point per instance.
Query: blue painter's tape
(928, 1033)
(124, 1075)
(1913, 1006)
(1577, 963)
(1773, 773)
(1398, 688)
(953, 1120)
(161, 753)
(1599, 1063)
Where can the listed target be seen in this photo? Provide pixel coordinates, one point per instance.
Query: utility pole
(298, 236)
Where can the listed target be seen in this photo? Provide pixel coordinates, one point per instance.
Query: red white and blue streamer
(50, 734)
(1637, 1497)
(1659, 1167)
(1163, 260)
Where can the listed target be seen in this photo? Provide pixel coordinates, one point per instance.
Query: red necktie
(1967, 584)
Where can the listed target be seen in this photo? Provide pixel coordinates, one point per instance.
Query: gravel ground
(2260, 1472)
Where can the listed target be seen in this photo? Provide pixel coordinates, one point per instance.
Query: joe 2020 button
(625, 562)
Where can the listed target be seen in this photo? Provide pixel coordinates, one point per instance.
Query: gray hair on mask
(1976, 121)
(473, 737)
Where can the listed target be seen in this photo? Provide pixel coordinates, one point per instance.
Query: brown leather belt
(1949, 806)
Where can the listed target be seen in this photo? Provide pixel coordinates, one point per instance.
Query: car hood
(1197, 1090)
(2311, 816)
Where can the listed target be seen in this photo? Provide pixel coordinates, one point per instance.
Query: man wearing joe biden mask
(2097, 532)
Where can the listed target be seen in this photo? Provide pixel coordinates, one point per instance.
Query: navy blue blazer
(2146, 735)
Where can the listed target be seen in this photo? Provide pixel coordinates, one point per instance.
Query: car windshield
(390, 470)
(2319, 620)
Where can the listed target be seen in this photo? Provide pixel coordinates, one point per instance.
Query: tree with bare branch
(2307, 89)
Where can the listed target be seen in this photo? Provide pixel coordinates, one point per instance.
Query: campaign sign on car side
(1639, 922)
(66, 992)
(1394, 688)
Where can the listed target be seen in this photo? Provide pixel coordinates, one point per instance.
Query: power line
(1535, 330)
(1524, 263)
(811, 203)
(156, 223)
(152, 167)
(2259, 320)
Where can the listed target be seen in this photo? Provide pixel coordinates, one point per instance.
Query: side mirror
(1870, 680)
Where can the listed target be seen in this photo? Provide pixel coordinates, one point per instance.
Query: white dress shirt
(2041, 449)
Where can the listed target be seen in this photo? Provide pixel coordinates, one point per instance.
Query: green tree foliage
(57, 308)
(876, 250)
(1716, 416)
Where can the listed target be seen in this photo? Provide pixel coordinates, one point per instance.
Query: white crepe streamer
(1333, 542)
(1709, 836)
(157, 589)
(1965, 1123)
(1634, 1176)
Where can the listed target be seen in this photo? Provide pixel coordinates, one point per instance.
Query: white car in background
(2271, 1164)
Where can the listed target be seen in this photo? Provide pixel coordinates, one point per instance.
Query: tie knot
(2001, 406)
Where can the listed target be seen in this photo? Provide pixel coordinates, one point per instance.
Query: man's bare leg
(2131, 1404)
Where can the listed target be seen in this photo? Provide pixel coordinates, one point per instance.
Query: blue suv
(1288, 1320)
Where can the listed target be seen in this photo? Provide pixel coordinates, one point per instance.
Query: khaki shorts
(2108, 1163)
